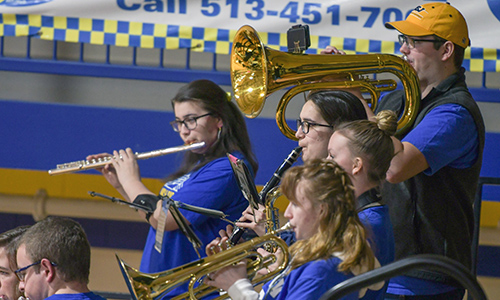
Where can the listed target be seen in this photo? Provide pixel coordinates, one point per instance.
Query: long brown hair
(233, 135)
(340, 230)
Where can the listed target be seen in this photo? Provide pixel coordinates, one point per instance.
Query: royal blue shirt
(212, 186)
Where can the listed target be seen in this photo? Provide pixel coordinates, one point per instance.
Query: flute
(82, 165)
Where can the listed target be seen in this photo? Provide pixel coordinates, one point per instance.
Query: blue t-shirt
(380, 235)
(446, 136)
(80, 296)
(212, 186)
(308, 282)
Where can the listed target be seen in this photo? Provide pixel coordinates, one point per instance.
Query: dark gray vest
(434, 214)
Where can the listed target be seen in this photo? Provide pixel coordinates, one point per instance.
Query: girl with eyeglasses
(321, 112)
(203, 113)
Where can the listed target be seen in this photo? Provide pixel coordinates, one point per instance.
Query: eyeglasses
(189, 122)
(306, 125)
(410, 42)
(21, 273)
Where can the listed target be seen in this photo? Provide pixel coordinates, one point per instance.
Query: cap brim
(408, 28)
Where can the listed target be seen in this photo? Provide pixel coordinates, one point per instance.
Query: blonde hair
(371, 140)
(340, 230)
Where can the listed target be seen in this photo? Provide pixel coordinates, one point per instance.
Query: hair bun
(387, 121)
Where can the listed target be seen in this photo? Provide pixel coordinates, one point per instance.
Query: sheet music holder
(249, 190)
(173, 207)
(184, 227)
(245, 181)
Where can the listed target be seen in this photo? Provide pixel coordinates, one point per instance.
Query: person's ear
(322, 210)
(357, 165)
(47, 269)
(447, 50)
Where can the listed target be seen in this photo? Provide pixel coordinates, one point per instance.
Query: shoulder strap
(368, 199)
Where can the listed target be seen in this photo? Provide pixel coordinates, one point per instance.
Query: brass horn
(146, 286)
(258, 71)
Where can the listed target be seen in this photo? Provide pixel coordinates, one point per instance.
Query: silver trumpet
(82, 165)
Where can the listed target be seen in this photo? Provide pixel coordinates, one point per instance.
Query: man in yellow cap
(434, 174)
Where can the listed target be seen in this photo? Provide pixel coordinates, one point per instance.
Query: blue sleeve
(446, 136)
(311, 281)
(214, 187)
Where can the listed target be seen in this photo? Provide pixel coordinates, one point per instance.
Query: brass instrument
(272, 213)
(258, 71)
(272, 217)
(82, 165)
(154, 286)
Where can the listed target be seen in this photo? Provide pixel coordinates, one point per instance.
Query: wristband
(149, 201)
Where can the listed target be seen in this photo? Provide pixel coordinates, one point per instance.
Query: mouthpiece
(286, 227)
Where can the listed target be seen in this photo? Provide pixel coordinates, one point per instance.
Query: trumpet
(82, 165)
(153, 286)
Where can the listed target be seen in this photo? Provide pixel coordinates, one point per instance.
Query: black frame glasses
(191, 122)
(21, 273)
(305, 125)
(410, 42)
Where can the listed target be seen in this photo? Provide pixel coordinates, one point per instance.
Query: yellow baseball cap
(437, 18)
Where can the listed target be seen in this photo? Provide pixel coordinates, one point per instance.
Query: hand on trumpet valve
(220, 243)
(227, 276)
(271, 267)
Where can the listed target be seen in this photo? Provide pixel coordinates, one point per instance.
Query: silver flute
(82, 165)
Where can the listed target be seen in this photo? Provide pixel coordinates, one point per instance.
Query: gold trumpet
(258, 71)
(82, 165)
(145, 286)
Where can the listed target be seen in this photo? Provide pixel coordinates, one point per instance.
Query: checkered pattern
(148, 35)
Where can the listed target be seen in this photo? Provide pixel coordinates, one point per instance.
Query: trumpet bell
(152, 286)
(258, 71)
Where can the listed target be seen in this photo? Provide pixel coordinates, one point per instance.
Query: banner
(356, 26)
